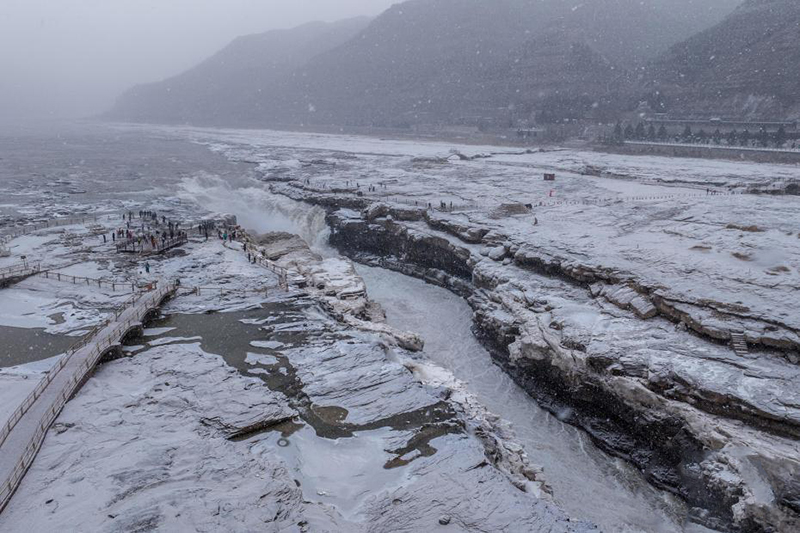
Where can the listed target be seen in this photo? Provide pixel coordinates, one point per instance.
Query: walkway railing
(223, 290)
(261, 260)
(75, 280)
(101, 343)
(20, 270)
(37, 392)
(552, 202)
(282, 273)
(13, 233)
(143, 246)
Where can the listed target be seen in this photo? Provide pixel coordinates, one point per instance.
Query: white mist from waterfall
(257, 209)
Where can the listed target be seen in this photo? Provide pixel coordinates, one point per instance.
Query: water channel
(586, 482)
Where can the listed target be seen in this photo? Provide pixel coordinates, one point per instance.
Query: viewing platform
(144, 247)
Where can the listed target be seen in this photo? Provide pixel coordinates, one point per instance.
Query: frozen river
(586, 482)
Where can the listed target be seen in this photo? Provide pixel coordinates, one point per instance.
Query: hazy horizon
(72, 58)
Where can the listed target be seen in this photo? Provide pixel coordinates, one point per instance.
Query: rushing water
(586, 482)
(256, 208)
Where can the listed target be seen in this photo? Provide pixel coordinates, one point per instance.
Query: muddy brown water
(226, 334)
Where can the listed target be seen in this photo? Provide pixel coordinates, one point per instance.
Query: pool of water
(336, 461)
(19, 346)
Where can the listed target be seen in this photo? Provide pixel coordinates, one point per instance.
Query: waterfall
(256, 208)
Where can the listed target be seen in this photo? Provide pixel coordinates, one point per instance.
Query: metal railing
(144, 303)
(20, 270)
(144, 246)
(556, 203)
(282, 273)
(113, 285)
(261, 260)
(13, 233)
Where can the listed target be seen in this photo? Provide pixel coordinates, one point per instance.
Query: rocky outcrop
(592, 346)
(704, 315)
(709, 318)
(625, 297)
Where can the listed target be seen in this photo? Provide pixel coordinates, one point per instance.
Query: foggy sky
(71, 58)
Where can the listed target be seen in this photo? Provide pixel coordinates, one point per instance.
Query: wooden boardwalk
(23, 434)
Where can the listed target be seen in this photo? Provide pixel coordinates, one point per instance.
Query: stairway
(739, 343)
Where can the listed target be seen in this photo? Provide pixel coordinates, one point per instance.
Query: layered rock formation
(717, 429)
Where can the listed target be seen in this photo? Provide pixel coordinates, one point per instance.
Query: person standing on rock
(147, 267)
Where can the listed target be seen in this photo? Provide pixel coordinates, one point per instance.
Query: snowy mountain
(430, 61)
(240, 83)
(746, 65)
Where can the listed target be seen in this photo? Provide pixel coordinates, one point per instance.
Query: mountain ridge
(235, 84)
(744, 66)
(441, 62)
